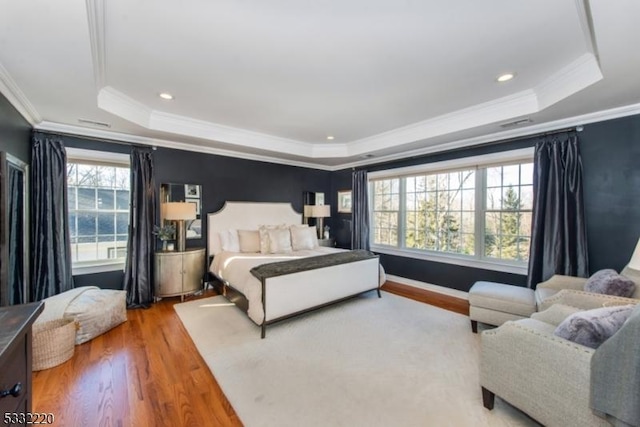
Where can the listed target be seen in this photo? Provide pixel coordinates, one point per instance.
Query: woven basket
(53, 343)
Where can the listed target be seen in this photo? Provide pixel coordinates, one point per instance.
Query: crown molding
(17, 98)
(121, 105)
(183, 125)
(584, 119)
(571, 79)
(118, 137)
(516, 105)
(96, 20)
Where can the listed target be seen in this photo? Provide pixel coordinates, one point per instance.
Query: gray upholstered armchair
(558, 382)
(568, 290)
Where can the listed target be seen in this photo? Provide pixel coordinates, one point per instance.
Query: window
(98, 196)
(476, 210)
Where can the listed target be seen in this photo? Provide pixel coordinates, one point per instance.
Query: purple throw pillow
(593, 327)
(609, 282)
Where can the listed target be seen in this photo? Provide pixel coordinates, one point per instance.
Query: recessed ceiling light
(505, 77)
(330, 138)
(165, 95)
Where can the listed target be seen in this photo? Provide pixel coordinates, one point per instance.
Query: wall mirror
(14, 232)
(189, 193)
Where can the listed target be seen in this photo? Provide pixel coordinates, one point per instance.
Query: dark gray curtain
(15, 242)
(558, 231)
(360, 210)
(138, 275)
(50, 243)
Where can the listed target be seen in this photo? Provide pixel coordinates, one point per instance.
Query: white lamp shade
(179, 210)
(634, 263)
(307, 210)
(320, 211)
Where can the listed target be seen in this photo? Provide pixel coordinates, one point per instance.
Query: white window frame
(478, 260)
(102, 158)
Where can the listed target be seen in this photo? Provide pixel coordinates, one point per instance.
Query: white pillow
(264, 236)
(249, 240)
(229, 240)
(303, 238)
(279, 241)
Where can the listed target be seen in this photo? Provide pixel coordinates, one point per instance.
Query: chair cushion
(506, 298)
(609, 282)
(593, 327)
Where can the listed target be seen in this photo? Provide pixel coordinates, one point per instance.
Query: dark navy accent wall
(233, 179)
(610, 155)
(15, 132)
(341, 231)
(611, 161)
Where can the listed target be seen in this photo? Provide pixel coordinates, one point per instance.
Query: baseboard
(429, 287)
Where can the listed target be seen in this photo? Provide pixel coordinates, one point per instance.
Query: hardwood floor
(147, 372)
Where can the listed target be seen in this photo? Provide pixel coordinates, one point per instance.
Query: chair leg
(488, 398)
(474, 326)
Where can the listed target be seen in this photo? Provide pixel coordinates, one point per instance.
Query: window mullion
(480, 204)
(402, 220)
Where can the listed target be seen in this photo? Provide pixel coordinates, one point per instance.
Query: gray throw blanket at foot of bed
(274, 269)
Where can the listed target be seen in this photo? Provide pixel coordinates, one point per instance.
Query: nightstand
(330, 242)
(179, 273)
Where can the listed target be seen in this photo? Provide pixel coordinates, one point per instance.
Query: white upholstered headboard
(247, 216)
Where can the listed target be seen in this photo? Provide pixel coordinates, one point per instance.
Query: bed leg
(379, 294)
(264, 331)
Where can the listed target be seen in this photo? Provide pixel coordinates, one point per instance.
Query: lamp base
(181, 237)
(319, 227)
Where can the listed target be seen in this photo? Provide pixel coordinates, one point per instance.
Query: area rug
(367, 361)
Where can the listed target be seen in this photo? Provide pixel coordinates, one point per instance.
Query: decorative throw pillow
(279, 241)
(609, 282)
(264, 236)
(593, 327)
(303, 238)
(249, 240)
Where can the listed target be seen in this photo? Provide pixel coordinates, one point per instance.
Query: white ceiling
(271, 80)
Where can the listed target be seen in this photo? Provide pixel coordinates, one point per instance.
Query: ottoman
(495, 303)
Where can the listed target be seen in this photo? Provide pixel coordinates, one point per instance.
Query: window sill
(452, 259)
(97, 267)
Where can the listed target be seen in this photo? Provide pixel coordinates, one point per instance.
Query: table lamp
(180, 212)
(320, 212)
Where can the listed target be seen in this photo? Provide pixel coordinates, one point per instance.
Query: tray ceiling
(273, 80)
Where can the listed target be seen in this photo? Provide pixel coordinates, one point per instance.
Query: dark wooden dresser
(15, 358)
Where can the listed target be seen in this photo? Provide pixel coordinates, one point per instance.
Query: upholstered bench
(495, 303)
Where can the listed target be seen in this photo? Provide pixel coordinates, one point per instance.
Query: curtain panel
(51, 250)
(138, 275)
(360, 208)
(558, 230)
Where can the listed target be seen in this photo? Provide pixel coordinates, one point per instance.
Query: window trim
(97, 158)
(524, 155)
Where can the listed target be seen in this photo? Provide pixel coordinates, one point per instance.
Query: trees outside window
(482, 213)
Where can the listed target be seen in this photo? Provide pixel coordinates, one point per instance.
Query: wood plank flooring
(147, 372)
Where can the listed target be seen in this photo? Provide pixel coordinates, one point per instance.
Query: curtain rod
(98, 139)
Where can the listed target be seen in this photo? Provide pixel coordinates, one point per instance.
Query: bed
(269, 299)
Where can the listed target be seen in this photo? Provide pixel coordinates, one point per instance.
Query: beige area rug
(364, 362)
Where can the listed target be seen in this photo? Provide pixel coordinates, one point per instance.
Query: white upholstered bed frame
(288, 295)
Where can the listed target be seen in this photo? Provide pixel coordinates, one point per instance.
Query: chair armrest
(545, 376)
(555, 314)
(559, 281)
(584, 300)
